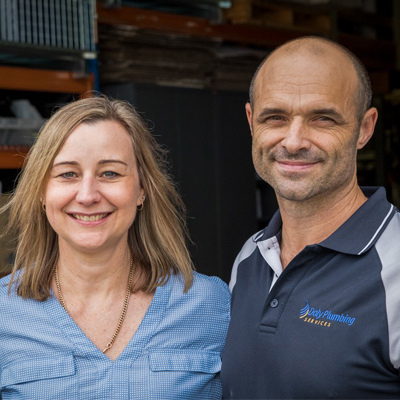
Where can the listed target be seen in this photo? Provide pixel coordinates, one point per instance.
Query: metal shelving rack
(58, 34)
(59, 27)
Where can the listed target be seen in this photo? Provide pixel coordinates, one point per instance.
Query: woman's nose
(88, 192)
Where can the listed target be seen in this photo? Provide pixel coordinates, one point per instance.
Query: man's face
(304, 124)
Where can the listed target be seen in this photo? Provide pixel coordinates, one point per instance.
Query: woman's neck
(99, 274)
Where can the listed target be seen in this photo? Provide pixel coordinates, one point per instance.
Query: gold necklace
(124, 308)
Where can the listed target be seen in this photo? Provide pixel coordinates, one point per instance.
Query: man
(316, 294)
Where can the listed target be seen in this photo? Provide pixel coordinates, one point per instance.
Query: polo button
(274, 303)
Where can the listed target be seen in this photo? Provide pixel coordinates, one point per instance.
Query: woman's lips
(89, 218)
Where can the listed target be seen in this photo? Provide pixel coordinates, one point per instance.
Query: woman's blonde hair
(157, 238)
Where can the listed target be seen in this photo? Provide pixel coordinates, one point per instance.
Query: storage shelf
(16, 78)
(375, 53)
(201, 27)
(39, 80)
(13, 157)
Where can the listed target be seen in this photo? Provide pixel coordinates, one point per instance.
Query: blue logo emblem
(320, 317)
(304, 311)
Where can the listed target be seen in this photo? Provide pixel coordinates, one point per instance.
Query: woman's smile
(91, 217)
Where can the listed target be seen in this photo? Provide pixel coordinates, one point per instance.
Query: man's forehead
(305, 71)
(305, 57)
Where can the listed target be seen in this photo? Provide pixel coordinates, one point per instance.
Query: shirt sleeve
(247, 249)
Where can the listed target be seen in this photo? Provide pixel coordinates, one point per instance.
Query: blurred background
(186, 65)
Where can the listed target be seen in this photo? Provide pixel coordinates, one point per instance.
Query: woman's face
(93, 190)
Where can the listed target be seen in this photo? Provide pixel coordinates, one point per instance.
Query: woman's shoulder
(9, 297)
(209, 284)
(4, 283)
(11, 304)
(205, 307)
(210, 291)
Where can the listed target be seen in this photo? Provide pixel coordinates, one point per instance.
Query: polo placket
(280, 293)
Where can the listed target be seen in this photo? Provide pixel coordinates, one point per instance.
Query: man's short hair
(364, 95)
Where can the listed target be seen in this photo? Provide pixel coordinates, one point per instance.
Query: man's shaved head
(321, 46)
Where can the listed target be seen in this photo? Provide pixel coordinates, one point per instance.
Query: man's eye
(275, 118)
(324, 119)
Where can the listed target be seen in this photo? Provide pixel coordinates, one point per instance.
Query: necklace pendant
(108, 347)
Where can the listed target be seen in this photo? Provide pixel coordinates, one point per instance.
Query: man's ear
(249, 115)
(367, 127)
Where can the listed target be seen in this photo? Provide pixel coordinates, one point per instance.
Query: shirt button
(274, 303)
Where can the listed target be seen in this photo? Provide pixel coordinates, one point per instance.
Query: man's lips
(296, 165)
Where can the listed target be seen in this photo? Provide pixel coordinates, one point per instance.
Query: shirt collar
(359, 233)
(273, 228)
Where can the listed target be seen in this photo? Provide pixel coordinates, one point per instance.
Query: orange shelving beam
(43, 80)
(13, 157)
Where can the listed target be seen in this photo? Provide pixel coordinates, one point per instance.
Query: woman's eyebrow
(65, 163)
(101, 162)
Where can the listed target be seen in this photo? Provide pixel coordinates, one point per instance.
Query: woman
(102, 302)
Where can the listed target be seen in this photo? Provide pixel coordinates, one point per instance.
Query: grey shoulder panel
(388, 248)
(246, 251)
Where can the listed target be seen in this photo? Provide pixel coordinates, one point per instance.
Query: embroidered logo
(316, 316)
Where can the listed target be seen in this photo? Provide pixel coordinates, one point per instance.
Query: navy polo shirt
(329, 327)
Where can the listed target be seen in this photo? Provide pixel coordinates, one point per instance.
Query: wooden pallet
(256, 12)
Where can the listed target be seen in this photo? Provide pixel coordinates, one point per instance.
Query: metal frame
(52, 25)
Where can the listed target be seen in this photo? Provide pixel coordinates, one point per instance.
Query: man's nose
(88, 192)
(296, 137)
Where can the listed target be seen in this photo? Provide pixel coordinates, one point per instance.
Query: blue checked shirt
(175, 353)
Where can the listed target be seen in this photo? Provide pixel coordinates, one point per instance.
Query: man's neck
(312, 222)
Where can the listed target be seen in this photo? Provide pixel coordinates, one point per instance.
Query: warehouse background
(186, 65)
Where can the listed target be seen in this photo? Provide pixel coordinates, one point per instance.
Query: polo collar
(273, 228)
(359, 233)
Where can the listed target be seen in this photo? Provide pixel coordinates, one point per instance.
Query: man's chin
(294, 193)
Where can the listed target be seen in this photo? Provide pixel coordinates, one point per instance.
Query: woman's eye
(68, 175)
(110, 174)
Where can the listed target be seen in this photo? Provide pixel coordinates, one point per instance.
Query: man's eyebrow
(327, 111)
(317, 111)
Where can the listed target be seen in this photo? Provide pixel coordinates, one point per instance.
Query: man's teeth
(92, 218)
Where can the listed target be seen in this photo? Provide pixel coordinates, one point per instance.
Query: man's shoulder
(388, 251)
(246, 251)
(387, 244)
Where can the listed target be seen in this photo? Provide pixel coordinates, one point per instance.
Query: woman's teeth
(91, 218)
